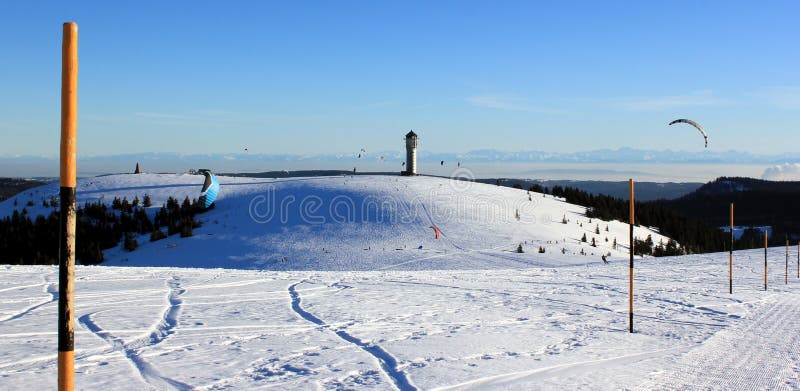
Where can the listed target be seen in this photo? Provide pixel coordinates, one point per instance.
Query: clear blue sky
(313, 77)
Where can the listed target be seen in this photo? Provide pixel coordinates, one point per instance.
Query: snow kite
(695, 124)
(210, 189)
(436, 231)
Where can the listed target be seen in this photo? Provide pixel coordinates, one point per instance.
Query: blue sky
(316, 77)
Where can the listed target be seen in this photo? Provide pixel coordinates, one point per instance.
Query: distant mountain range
(371, 161)
(622, 155)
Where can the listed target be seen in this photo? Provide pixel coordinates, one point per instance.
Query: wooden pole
(632, 222)
(798, 259)
(730, 257)
(766, 242)
(786, 276)
(66, 252)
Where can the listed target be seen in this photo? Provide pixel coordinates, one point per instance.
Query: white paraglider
(695, 124)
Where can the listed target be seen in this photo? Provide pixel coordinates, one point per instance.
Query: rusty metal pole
(66, 249)
(730, 257)
(632, 222)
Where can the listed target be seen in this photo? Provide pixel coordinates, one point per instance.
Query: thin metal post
(766, 243)
(730, 257)
(632, 222)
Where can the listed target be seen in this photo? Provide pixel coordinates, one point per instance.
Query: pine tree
(583, 239)
(186, 227)
(186, 207)
(130, 241)
(157, 235)
(126, 205)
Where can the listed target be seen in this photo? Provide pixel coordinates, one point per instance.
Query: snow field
(528, 328)
(339, 283)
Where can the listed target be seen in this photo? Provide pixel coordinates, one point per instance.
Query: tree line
(694, 235)
(758, 203)
(26, 240)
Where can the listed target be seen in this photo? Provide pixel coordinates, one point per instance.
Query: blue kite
(210, 189)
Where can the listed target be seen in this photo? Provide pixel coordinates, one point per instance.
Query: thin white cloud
(104, 118)
(783, 172)
(507, 102)
(201, 117)
(159, 115)
(692, 99)
(375, 105)
(787, 98)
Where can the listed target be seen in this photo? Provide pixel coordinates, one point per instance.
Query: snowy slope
(540, 328)
(355, 223)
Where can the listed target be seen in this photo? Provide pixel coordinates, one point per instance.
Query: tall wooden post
(730, 257)
(798, 259)
(632, 222)
(66, 249)
(786, 276)
(766, 243)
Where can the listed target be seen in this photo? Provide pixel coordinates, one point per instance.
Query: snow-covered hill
(355, 223)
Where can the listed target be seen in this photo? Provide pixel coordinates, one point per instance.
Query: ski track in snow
(157, 334)
(745, 356)
(387, 362)
(512, 378)
(50, 288)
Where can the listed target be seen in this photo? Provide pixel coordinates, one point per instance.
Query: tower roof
(411, 134)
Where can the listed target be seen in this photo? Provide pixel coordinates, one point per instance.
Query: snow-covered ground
(354, 223)
(339, 283)
(531, 328)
